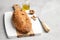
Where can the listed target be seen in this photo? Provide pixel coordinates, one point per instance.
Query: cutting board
(13, 33)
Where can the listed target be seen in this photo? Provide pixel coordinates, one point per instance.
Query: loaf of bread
(20, 20)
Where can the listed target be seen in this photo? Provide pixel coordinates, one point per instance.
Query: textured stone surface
(50, 12)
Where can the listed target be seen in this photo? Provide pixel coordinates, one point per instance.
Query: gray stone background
(50, 12)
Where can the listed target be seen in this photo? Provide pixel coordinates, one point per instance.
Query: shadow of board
(4, 26)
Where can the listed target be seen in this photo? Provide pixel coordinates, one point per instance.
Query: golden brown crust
(21, 20)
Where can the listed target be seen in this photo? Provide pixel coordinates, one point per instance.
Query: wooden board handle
(45, 26)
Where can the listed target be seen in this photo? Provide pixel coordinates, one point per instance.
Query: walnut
(33, 17)
(31, 12)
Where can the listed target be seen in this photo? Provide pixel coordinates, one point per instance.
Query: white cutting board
(11, 32)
